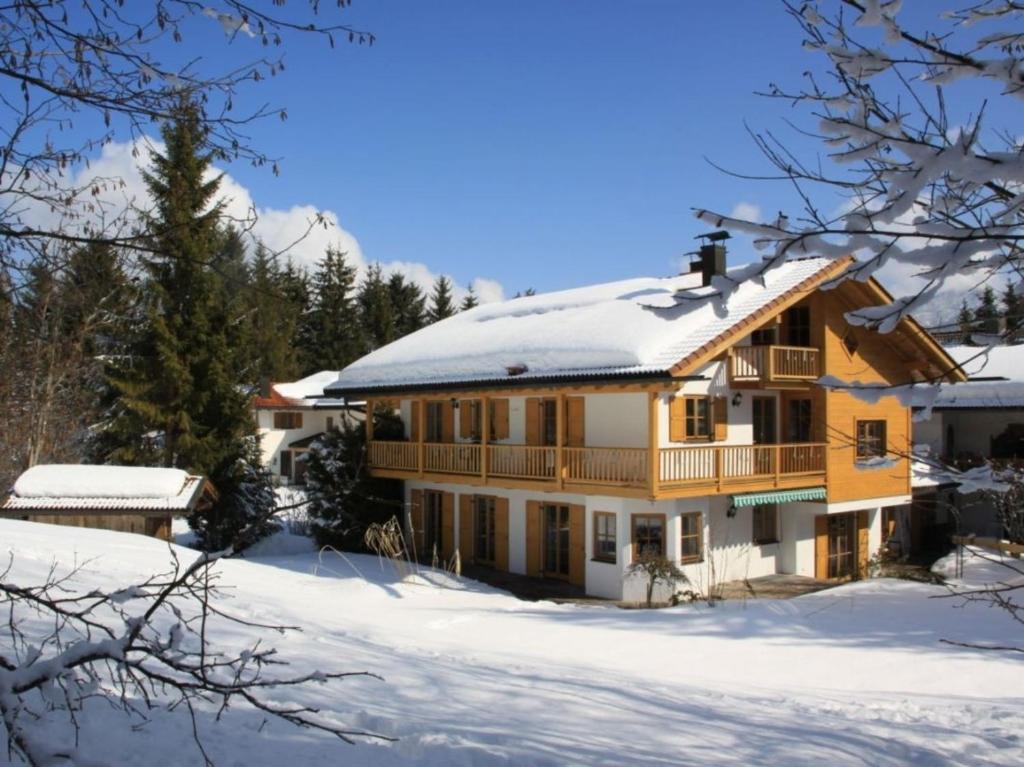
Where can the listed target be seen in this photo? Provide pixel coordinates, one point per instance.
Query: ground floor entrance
(841, 545)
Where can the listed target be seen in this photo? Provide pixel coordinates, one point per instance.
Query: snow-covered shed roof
(996, 378)
(642, 326)
(66, 487)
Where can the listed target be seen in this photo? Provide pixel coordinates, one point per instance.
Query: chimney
(710, 256)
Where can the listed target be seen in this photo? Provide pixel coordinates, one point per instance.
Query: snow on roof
(636, 326)
(1000, 362)
(310, 387)
(67, 486)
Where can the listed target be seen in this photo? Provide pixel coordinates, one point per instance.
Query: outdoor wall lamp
(737, 398)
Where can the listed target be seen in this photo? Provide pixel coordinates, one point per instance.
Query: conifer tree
(376, 314)
(1013, 314)
(470, 301)
(408, 305)
(965, 322)
(986, 316)
(335, 335)
(442, 304)
(273, 313)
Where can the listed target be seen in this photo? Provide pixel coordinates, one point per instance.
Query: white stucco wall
(616, 420)
(273, 441)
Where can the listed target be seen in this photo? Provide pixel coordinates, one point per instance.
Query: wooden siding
(153, 525)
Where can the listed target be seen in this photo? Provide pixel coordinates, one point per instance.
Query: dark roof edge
(505, 383)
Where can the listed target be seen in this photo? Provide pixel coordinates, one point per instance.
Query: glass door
(556, 541)
(842, 545)
(764, 434)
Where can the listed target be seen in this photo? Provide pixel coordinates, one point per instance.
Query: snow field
(850, 676)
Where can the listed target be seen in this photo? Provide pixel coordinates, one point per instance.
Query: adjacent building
(566, 435)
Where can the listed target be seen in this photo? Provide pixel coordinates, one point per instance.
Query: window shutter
(821, 546)
(466, 418)
(416, 521)
(575, 421)
(501, 533)
(677, 419)
(447, 422)
(577, 545)
(863, 544)
(720, 418)
(466, 528)
(533, 538)
(533, 421)
(414, 427)
(499, 419)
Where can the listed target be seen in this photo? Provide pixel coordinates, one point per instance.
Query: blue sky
(540, 144)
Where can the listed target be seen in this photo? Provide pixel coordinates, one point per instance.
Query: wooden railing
(774, 363)
(726, 464)
(521, 461)
(607, 465)
(403, 456)
(714, 466)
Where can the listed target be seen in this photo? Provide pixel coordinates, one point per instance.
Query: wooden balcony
(680, 471)
(766, 365)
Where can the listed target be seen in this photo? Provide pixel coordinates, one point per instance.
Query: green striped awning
(779, 496)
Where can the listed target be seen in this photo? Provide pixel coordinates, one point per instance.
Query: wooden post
(560, 440)
(718, 467)
(778, 461)
(771, 363)
(654, 452)
(369, 421)
(422, 432)
(485, 434)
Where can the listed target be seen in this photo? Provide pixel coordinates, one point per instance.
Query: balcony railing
(770, 364)
(715, 467)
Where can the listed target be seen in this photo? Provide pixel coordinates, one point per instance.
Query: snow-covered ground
(850, 676)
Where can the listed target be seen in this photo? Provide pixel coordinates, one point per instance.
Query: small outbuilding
(130, 499)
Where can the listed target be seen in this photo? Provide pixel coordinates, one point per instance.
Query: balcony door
(842, 545)
(797, 326)
(764, 433)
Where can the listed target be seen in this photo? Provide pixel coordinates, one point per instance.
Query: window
(549, 422)
(799, 420)
(870, 440)
(604, 536)
(763, 337)
(286, 463)
(766, 524)
(850, 342)
(798, 326)
(483, 529)
(692, 539)
(432, 505)
(648, 535)
(435, 422)
(287, 420)
(697, 420)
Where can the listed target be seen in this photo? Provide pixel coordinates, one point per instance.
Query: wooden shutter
(533, 538)
(577, 545)
(720, 418)
(466, 418)
(447, 525)
(677, 419)
(821, 546)
(466, 528)
(863, 544)
(416, 520)
(447, 422)
(575, 419)
(499, 419)
(414, 415)
(501, 533)
(533, 420)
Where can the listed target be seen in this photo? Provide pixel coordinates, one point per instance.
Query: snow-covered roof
(75, 486)
(632, 327)
(1004, 363)
(305, 393)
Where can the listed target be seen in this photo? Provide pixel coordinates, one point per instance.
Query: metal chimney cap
(718, 236)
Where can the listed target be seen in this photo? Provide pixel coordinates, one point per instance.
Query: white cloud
(297, 230)
(746, 211)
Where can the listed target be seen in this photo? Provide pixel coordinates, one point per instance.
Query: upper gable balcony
(773, 365)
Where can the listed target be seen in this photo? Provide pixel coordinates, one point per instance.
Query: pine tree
(273, 312)
(334, 329)
(470, 301)
(297, 289)
(408, 305)
(986, 316)
(442, 304)
(376, 314)
(965, 323)
(180, 399)
(1013, 314)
